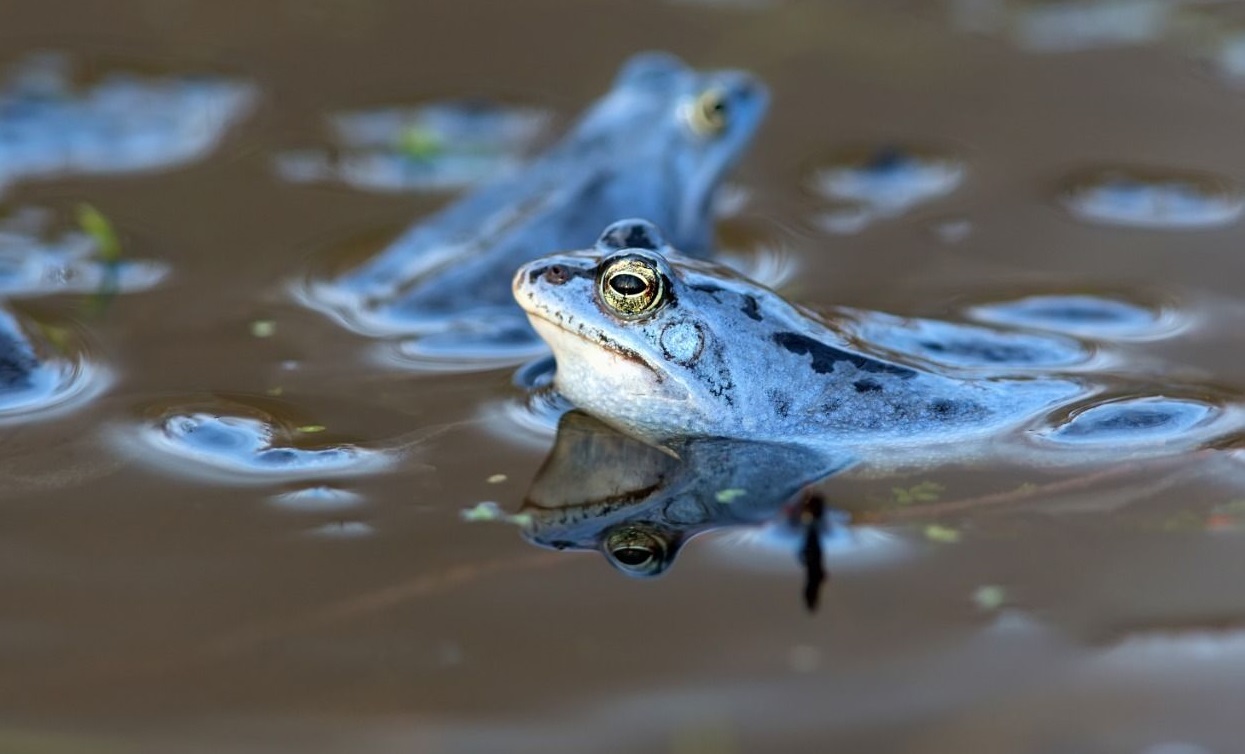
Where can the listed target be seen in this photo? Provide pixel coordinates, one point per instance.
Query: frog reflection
(638, 504)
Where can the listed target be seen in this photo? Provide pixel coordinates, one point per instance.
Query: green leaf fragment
(96, 225)
(263, 328)
(490, 511)
(420, 143)
(925, 492)
(728, 496)
(942, 534)
(989, 597)
(312, 428)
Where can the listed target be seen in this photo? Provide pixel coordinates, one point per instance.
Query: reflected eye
(631, 286)
(709, 113)
(635, 551)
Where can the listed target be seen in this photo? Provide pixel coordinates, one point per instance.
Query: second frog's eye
(708, 114)
(636, 551)
(630, 286)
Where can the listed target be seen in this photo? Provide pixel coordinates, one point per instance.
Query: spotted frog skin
(657, 145)
(662, 346)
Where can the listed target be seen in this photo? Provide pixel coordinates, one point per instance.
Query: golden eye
(631, 286)
(635, 551)
(708, 114)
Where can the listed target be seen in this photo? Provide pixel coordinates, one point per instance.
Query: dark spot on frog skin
(752, 308)
(825, 357)
(706, 288)
(780, 401)
(867, 386)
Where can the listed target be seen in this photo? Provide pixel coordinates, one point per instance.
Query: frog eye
(631, 286)
(708, 115)
(635, 551)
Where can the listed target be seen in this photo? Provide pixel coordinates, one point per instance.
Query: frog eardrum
(630, 286)
(708, 115)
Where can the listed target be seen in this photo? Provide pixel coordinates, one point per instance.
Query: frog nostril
(556, 274)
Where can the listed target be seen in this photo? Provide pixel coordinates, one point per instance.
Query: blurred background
(168, 167)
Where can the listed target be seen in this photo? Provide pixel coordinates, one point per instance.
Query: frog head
(646, 338)
(684, 129)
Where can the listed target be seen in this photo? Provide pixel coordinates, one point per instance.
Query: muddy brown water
(144, 611)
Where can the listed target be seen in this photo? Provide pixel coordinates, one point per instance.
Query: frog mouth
(544, 326)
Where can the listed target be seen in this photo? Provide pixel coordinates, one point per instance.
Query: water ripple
(42, 370)
(1084, 315)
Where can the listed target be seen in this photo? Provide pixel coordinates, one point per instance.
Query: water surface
(1020, 606)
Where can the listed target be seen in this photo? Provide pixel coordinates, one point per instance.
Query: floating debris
(945, 535)
(989, 597)
(1152, 199)
(263, 328)
(490, 511)
(924, 492)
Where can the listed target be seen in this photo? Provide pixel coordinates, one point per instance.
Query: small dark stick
(811, 515)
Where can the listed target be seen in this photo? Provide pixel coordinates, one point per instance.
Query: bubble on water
(43, 370)
(245, 446)
(1152, 199)
(1084, 315)
(434, 147)
(970, 346)
(1156, 420)
(122, 123)
(883, 183)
